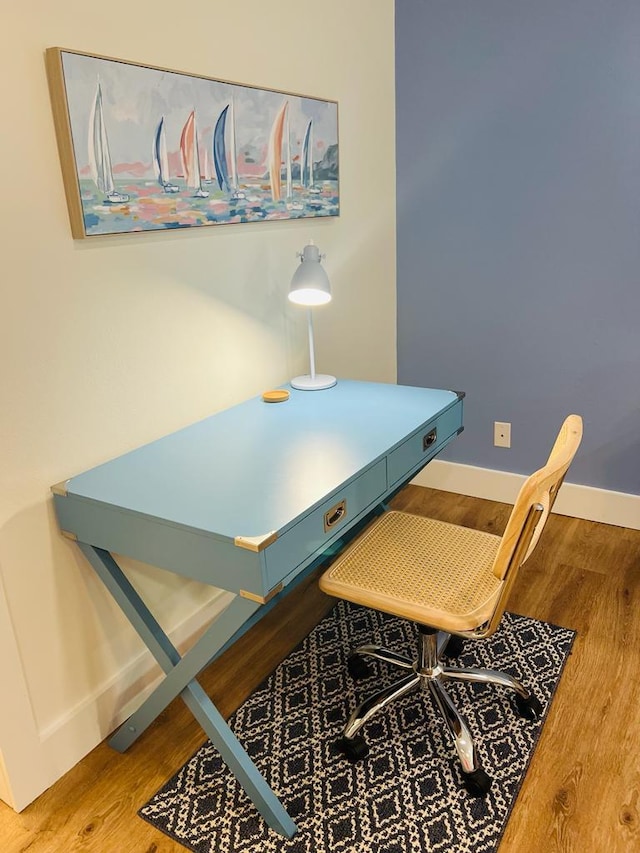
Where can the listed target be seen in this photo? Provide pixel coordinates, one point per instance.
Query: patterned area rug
(405, 796)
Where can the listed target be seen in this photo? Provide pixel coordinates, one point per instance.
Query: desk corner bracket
(69, 535)
(60, 489)
(256, 543)
(262, 599)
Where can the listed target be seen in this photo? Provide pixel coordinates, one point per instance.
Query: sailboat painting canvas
(144, 148)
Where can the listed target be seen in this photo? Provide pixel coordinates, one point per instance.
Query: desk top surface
(257, 466)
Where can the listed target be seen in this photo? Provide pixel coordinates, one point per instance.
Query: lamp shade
(310, 283)
(310, 287)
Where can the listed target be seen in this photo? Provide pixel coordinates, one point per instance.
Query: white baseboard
(63, 743)
(578, 501)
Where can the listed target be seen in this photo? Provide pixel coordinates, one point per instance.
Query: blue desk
(249, 500)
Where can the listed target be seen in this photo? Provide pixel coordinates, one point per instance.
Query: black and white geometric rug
(405, 796)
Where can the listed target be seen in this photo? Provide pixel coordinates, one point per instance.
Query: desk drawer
(424, 444)
(316, 531)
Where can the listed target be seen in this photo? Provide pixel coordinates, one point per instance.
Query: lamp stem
(312, 356)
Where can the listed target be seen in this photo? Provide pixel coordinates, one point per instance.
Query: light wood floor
(582, 790)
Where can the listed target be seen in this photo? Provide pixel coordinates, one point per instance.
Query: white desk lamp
(310, 286)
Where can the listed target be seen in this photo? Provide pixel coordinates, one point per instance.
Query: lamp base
(313, 383)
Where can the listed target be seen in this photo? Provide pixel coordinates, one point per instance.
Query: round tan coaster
(275, 396)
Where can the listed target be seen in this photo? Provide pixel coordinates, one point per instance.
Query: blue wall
(518, 202)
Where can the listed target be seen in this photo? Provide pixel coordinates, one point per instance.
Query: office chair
(452, 582)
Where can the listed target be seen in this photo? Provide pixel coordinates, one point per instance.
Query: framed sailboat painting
(147, 149)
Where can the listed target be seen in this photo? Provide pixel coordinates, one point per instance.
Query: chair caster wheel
(530, 709)
(477, 782)
(454, 646)
(355, 748)
(358, 667)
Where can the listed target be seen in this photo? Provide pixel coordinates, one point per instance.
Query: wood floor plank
(582, 790)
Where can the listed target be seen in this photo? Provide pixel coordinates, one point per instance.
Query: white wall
(109, 343)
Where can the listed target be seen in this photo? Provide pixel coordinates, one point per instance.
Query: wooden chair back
(531, 510)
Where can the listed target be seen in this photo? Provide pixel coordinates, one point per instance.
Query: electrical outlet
(501, 434)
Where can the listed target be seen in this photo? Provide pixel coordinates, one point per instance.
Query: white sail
(161, 159)
(99, 156)
(232, 147)
(287, 154)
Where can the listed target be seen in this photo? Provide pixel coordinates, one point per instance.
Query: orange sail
(190, 156)
(189, 152)
(275, 152)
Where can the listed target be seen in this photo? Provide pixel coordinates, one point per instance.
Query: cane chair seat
(428, 571)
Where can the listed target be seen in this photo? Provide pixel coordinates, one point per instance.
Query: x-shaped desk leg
(180, 680)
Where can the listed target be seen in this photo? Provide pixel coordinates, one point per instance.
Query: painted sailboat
(191, 157)
(306, 161)
(280, 135)
(225, 157)
(161, 160)
(99, 156)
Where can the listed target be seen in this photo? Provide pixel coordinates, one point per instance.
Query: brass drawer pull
(429, 438)
(334, 515)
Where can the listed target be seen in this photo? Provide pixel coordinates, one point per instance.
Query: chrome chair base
(429, 672)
